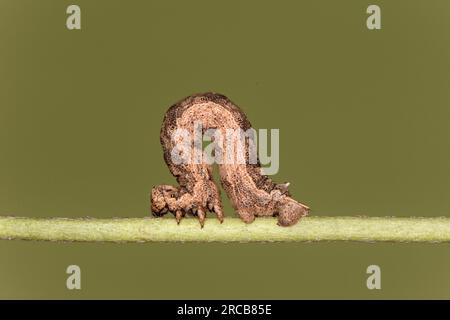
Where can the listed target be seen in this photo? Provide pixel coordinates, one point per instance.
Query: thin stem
(368, 229)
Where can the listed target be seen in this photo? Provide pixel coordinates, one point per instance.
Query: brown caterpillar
(252, 193)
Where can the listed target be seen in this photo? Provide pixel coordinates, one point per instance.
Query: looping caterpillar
(251, 193)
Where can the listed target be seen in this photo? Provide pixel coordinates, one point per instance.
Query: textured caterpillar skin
(252, 194)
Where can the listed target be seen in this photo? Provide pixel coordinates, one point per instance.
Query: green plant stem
(232, 230)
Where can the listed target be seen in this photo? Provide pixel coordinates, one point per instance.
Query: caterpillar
(251, 193)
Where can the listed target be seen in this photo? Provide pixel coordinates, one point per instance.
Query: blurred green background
(363, 118)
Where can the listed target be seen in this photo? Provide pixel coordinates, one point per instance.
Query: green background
(363, 118)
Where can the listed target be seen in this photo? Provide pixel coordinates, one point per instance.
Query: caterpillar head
(162, 198)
